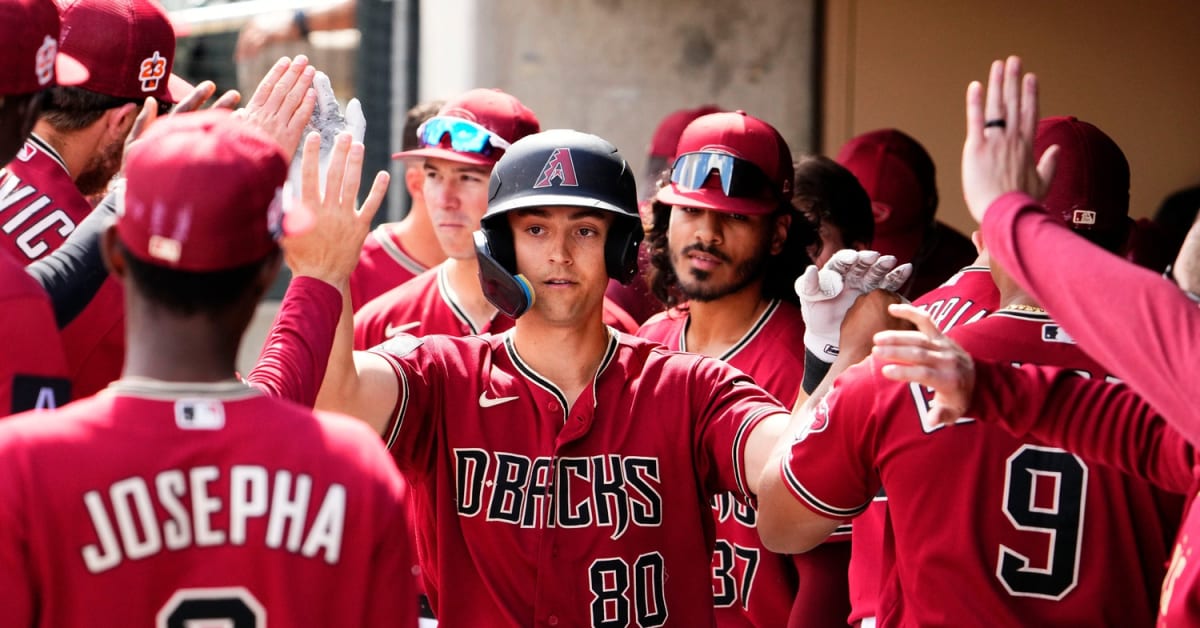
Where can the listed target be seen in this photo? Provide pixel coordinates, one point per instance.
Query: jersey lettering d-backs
(33, 371)
(1053, 541)
(382, 265)
(156, 500)
(964, 298)
(540, 514)
(39, 207)
(753, 586)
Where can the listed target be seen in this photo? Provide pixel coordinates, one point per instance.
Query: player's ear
(414, 180)
(110, 252)
(783, 222)
(119, 120)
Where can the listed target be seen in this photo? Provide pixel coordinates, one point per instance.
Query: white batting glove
(827, 294)
(328, 120)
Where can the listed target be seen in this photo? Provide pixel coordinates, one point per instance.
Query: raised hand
(927, 357)
(998, 152)
(324, 230)
(283, 102)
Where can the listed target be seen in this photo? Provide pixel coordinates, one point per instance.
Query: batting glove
(328, 120)
(827, 294)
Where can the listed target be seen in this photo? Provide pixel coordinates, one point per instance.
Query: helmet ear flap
(508, 291)
(621, 250)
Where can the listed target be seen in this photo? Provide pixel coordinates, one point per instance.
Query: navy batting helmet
(555, 168)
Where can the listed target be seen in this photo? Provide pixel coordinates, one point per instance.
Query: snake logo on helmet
(554, 169)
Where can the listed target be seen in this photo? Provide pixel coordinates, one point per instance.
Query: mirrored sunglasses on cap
(465, 136)
(739, 178)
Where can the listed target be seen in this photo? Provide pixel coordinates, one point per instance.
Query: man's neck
(1011, 294)
(179, 349)
(416, 237)
(463, 276)
(567, 356)
(715, 326)
(75, 149)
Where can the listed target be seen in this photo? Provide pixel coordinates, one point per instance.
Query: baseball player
(965, 298)
(727, 264)
(1001, 181)
(1055, 541)
(76, 148)
(459, 147)
(561, 471)
(397, 252)
(158, 502)
(33, 370)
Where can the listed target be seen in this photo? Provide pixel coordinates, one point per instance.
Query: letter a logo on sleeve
(558, 167)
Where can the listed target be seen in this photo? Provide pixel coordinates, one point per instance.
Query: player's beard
(100, 170)
(694, 286)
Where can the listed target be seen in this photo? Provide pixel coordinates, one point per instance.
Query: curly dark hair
(826, 191)
(780, 271)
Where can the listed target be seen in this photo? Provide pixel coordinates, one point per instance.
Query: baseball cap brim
(69, 71)
(714, 199)
(433, 152)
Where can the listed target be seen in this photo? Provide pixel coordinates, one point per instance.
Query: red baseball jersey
(1112, 425)
(540, 514)
(1022, 533)
(753, 586)
(33, 371)
(428, 305)
(383, 265)
(966, 297)
(39, 207)
(161, 504)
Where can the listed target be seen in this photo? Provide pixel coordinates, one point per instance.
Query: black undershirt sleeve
(74, 273)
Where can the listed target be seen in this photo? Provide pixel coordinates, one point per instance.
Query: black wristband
(300, 19)
(815, 370)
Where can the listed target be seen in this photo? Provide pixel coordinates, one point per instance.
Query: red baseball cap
(203, 193)
(747, 138)
(129, 46)
(1090, 190)
(899, 176)
(33, 62)
(666, 136)
(494, 110)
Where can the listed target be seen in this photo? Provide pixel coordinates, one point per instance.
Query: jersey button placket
(552, 620)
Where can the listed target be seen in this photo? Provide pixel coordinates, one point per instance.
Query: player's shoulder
(16, 284)
(49, 427)
(782, 326)
(663, 326)
(404, 295)
(440, 346)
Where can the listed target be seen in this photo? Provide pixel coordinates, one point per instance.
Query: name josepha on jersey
(128, 525)
(571, 492)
